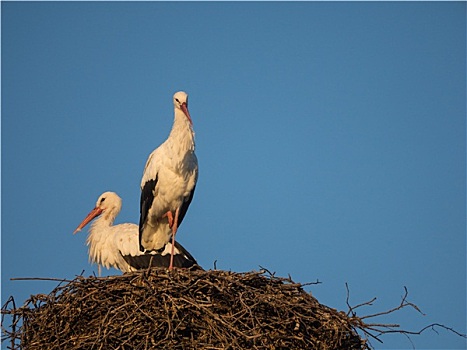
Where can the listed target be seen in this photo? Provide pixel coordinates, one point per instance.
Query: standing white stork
(169, 181)
(117, 246)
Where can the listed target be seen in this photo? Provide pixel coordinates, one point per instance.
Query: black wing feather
(147, 197)
(183, 259)
(184, 253)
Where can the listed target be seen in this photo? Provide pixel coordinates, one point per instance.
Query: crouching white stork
(117, 246)
(169, 181)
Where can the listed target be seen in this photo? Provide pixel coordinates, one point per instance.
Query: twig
(424, 329)
(40, 279)
(385, 328)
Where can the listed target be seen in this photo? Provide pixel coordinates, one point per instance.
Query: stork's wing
(192, 182)
(185, 205)
(126, 239)
(183, 253)
(161, 258)
(147, 197)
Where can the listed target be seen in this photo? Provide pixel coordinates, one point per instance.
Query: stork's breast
(172, 188)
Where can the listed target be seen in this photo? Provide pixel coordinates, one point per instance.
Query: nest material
(182, 309)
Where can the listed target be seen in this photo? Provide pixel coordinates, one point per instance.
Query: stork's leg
(174, 231)
(169, 218)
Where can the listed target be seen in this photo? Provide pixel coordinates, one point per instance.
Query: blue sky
(330, 138)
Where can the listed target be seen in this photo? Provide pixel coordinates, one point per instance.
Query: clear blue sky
(330, 138)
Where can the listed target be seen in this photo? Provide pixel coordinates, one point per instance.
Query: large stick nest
(181, 309)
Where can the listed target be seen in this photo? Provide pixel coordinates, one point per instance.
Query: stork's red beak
(95, 212)
(184, 108)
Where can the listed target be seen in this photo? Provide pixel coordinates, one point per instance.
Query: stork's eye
(176, 99)
(102, 200)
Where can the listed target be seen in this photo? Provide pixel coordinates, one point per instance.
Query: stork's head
(181, 103)
(108, 204)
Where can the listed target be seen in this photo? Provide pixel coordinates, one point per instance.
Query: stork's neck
(182, 135)
(102, 222)
(99, 234)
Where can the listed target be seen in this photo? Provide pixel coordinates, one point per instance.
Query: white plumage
(169, 181)
(117, 246)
